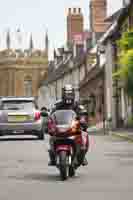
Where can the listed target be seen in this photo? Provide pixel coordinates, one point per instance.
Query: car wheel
(1, 134)
(41, 135)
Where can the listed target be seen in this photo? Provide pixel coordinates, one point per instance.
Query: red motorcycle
(64, 127)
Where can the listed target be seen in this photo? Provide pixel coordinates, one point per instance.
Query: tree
(125, 72)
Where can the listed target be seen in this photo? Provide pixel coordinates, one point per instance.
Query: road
(24, 173)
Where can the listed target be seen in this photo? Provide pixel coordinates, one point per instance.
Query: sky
(37, 16)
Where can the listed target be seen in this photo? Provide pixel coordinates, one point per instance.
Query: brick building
(69, 64)
(120, 107)
(92, 89)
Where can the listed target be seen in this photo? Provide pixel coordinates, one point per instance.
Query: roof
(115, 15)
(95, 71)
(108, 33)
(64, 69)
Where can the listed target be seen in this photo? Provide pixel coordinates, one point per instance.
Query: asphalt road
(24, 174)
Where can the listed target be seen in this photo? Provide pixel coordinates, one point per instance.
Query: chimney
(75, 24)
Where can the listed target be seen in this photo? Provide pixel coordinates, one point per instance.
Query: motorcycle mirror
(77, 118)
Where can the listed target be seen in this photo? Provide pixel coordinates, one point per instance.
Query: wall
(110, 100)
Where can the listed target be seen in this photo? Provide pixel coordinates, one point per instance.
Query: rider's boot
(52, 161)
(85, 162)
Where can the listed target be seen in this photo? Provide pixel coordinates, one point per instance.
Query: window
(17, 105)
(28, 86)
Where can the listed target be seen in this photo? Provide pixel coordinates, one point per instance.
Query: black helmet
(68, 94)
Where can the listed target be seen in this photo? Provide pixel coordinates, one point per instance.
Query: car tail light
(37, 115)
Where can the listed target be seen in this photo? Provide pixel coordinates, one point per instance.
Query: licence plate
(17, 118)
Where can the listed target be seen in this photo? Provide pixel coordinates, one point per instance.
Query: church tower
(98, 13)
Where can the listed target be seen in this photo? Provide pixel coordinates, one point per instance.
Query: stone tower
(98, 13)
(75, 23)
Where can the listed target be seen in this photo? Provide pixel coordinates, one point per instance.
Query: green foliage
(92, 113)
(126, 41)
(130, 122)
(125, 72)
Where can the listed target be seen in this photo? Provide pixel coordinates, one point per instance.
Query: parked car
(20, 115)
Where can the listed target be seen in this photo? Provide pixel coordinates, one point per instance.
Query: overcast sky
(38, 15)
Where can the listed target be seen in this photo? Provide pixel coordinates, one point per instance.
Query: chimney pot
(79, 10)
(69, 10)
(74, 10)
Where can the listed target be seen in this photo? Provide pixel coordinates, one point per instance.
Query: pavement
(97, 127)
(126, 134)
(24, 171)
(123, 133)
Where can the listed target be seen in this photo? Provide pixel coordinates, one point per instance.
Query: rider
(67, 102)
(82, 112)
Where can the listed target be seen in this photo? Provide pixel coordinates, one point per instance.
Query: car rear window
(17, 105)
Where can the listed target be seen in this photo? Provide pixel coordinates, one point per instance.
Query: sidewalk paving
(97, 127)
(123, 133)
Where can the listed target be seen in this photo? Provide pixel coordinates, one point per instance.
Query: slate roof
(91, 75)
(63, 69)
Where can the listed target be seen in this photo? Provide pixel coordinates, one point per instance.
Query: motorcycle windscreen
(63, 117)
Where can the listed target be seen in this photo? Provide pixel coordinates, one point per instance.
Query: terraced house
(91, 71)
(118, 104)
(69, 64)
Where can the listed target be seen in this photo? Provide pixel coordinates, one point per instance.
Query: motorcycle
(64, 127)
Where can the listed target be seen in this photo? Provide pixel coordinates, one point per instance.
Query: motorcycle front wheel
(63, 165)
